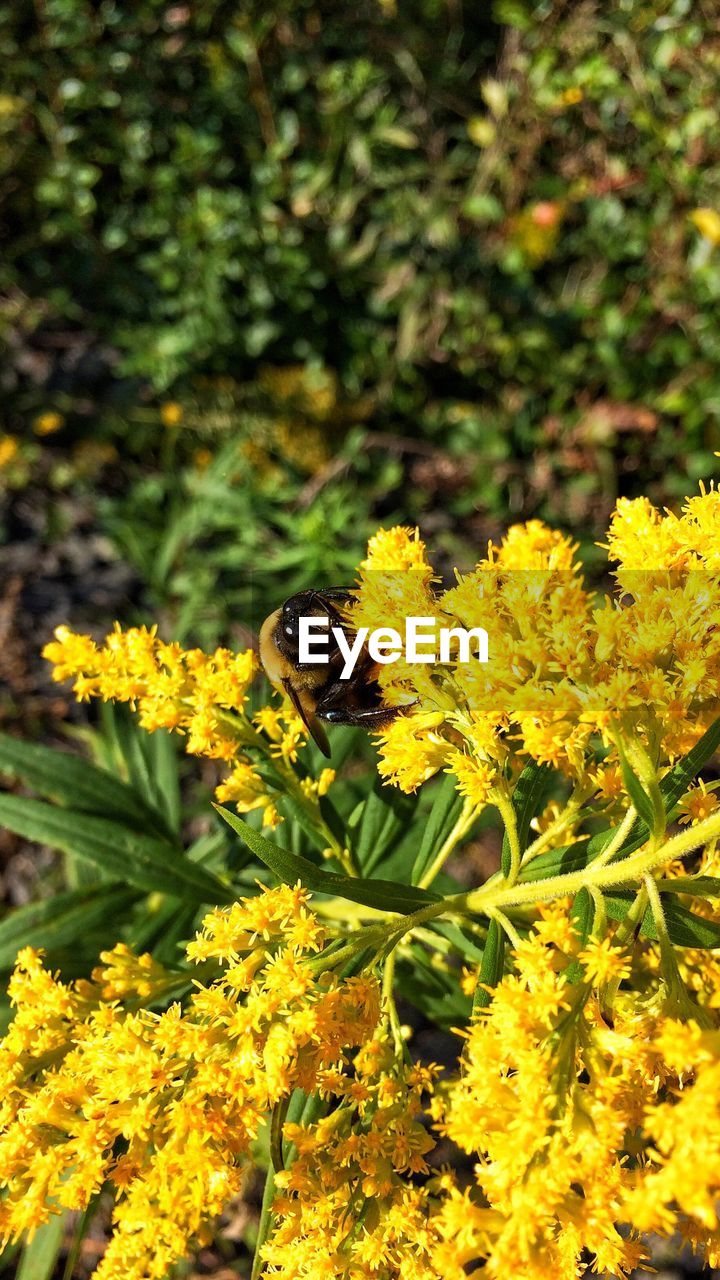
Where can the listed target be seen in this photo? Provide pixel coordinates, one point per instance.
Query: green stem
(467, 817)
(681, 1002)
(600, 918)
(667, 951)
(618, 839)
(379, 936)
(507, 813)
(508, 928)
(490, 899)
(388, 999)
(560, 824)
(265, 1223)
(629, 869)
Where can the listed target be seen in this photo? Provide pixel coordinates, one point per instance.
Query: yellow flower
(603, 962)
(171, 413)
(707, 222)
(8, 450)
(698, 802)
(390, 550)
(46, 424)
(165, 1106)
(475, 778)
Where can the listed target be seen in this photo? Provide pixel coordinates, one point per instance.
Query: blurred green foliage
(478, 218)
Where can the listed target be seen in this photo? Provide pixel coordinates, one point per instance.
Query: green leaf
(493, 963)
(73, 781)
(122, 854)
(685, 928)
(141, 758)
(556, 862)
(166, 775)
(636, 836)
(298, 814)
(528, 798)
(380, 823)
(40, 1254)
(61, 920)
(435, 991)
(637, 793)
(699, 886)
(464, 946)
(582, 914)
(445, 811)
(676, 782)
(291, 867)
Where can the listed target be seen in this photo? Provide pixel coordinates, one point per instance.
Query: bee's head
(306, 604)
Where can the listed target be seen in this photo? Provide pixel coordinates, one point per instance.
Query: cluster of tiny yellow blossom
(591, 1118)
(97, 1087)
(639, 669)
(202, 696)
(594, 1121)
(346, 1202)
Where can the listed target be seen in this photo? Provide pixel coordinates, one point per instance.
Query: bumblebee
(315, 688)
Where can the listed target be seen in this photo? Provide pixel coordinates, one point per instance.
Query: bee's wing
(308, 717)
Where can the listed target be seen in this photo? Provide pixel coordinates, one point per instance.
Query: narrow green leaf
(137, 752)
(162, 746)
(555, 862)
(636, 836)
(676, 782)
(296, 814)
(159, 927)
(528, 799)
(125, 855)
(291, 867)
(685, 928)
(700, 886)
(637, 793)
(277, 1120)
(73, 781)
(464, 946)
(61, 920)
(40, 1254)
(446, 809)
(434, 991)
(380, 823)
(582, 914)
(491, 969)
(332, 819)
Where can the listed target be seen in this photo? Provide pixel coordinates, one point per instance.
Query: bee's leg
(335, 707)
(362, 717)
(331, 594)
(336, 593)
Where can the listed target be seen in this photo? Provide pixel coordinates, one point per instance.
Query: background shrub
(482, 225)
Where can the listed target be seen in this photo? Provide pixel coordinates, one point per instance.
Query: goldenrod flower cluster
(591, 1125)
(164, 1105)
(347, 1199)
(202, 696)
(638, 671)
